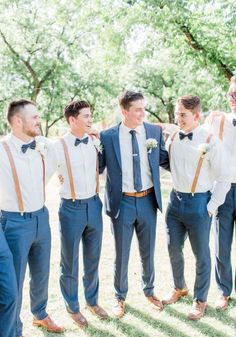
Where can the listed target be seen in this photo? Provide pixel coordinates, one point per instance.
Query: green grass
(141, 320)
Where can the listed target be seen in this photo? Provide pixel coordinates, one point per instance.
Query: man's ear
(196, 116)
(71, 120)
(124, 112)
(16, 120)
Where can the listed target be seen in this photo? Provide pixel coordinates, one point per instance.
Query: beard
(32, 132)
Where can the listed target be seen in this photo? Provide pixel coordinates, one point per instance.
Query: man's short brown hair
(190, 102)
(15, 107)
(74, 107)
(128, 97)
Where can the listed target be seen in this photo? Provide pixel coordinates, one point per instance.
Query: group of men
(202, 166)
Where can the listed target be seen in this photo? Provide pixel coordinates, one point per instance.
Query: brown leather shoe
(222, 303)
(118, 308)
(98, 311)
(48, 324)
(197, 311)
(174, 295)
(155, 302)
(79, 319)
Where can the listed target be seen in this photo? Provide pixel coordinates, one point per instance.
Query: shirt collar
(230, 116)
(139, 129)
(195, 131)
(72, 138)
(17, 142)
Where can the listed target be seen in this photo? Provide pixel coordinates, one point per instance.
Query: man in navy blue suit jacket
(132, 153)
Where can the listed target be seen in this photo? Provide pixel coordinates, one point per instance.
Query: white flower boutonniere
(203, 149)
(151, 143)
(41, 146)
(97, 144)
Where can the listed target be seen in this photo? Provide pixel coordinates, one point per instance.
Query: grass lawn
(141, 320)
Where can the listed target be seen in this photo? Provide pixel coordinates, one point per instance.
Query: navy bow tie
(183, 135)
(31, 145)
(78, 141)
(234, 121)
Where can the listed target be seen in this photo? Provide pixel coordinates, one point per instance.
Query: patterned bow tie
(188, 135)
(234, 121)
(31, 145)
(78, 141)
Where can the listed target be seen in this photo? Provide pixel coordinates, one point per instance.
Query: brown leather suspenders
(69, 170)
(199, 164)
(198, 169)
(16, 179)
(222, 122)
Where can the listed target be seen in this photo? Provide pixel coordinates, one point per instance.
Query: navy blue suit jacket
(111, 159)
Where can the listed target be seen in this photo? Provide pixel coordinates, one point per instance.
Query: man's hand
(169, 128)
(94, 132)
(61, 179)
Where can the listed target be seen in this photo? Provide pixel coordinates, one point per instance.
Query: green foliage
(54, 51)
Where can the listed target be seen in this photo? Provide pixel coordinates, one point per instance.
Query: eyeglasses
(231, 96)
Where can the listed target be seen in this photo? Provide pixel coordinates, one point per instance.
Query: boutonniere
(151, 143)
(41, 146)
(98, 145)
(203, 149)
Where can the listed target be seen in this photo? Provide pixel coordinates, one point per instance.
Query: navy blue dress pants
(139, 215)
(80, 220)
(187, 215)
(29, 240)
(224, 229)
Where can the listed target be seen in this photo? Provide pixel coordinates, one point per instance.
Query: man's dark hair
(74, 107)
(15, 107)
(190, 102)
(128, 97)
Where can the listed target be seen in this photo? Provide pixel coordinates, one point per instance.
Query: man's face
(135, 114)
(232, 97)
(83, 122)
(30, 121)
(186, 119)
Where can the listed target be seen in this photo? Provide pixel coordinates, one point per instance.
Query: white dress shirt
(229, 138)
(125, 140)
(29, 169)
(83, 158)
(214, 175)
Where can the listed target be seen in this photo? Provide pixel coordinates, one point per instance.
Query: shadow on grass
(155, 323)
(51, 334)
(205, 329)
(127, 329)
(232, 302)
(94, 331)
(223, 316)
(90, 331)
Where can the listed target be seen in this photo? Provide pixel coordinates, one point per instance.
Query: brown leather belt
(139, 194)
